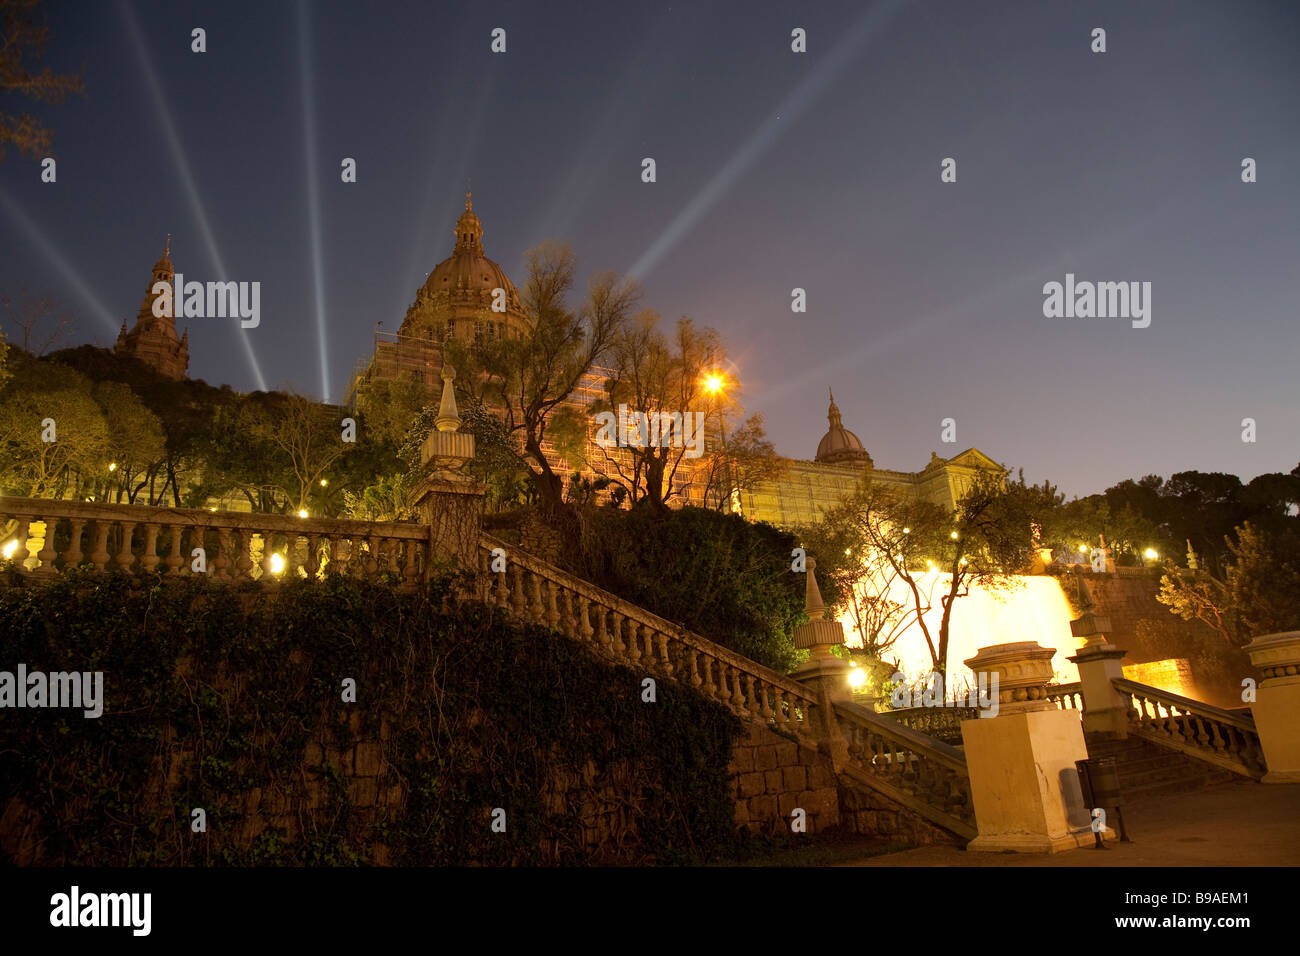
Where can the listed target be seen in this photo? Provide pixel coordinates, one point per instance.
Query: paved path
(1232, 824)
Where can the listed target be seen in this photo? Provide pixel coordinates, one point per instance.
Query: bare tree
(38, 321)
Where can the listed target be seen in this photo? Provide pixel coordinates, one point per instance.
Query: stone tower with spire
(153, 340)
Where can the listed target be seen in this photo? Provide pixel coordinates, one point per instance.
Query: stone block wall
(773, 774)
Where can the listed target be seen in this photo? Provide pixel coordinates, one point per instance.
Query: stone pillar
(449, 501)
(1021, 762)
(1277, 704)
(823, 672)
(1105, 710)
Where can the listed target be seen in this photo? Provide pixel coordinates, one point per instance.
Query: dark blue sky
(775, 170)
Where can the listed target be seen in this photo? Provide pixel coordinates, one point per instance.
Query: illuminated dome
(839, 445)
(462, 285)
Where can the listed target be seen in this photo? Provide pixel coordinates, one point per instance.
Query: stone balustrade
(1209, 733)
(941, 723)
(45, 536)
(534, 591)
(921, 773)
(1066, 696)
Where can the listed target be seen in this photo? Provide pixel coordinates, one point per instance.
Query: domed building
(808, 488)
(153, 339)
(467, 296)
(457, 298)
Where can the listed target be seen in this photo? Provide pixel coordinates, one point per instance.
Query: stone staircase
(1147, 770)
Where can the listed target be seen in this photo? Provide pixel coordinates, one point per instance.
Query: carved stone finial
(448, 419)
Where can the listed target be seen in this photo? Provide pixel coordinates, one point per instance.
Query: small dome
(839, 445)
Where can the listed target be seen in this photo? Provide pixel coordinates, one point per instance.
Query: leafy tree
(24, 43)
(31, 466)
(1260, 594)
(985, 541)
(719, 575)
(137, 444)
(532, 377)
(665, 379)
(739, 462)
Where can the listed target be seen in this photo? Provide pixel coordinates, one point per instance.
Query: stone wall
(772, 775)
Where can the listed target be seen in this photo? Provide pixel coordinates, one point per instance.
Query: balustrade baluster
(518, 603)
(552, 611)
(602, 632)
(244, 560)
(223, 555)
(665, 660)
(778, 698)
(634, 642)
(737, 695)
(585, 630)
(616, 633)
(124, 556)
(99, 557)
(150, 558)
(693, 656)
(764, 707)
(72, 557)
(410, 564)
(47, 554)
(537, 609)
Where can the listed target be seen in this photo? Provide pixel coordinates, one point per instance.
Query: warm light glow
(277, 564)
(954, 536)
(212, 509)
(323, 482)
(1151, 554)
(907, 531)
(112, 466)
(848, 550)
(302, 512)
(10, 548)
(857, 676)
(714, 383)
(929, 563)
(1083, 549)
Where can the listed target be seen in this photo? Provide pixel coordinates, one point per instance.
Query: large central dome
(462, 286)
(839, 445)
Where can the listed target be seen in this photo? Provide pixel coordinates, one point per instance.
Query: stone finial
(819, 635)
(1192, 563)
(448, 419)
(814, 606)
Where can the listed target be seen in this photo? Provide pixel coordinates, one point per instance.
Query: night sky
(775, 170)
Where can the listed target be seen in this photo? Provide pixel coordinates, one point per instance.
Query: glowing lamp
(9, 549)
(277, 564)
(302, 512)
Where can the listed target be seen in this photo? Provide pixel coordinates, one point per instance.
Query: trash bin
(1099, 780)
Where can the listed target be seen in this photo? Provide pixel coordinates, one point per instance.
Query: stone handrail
(921, 773)
(53, 535)
(941, 723)
(533, 590)
(1200, 730)
(916, 771)
(1066, 696)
